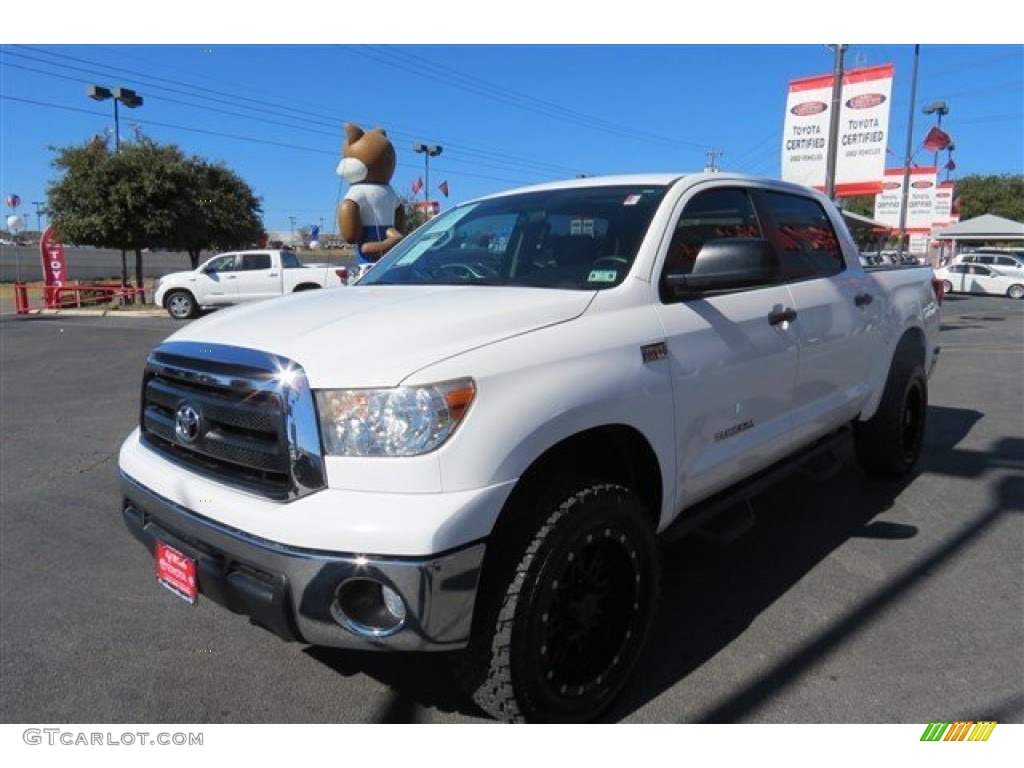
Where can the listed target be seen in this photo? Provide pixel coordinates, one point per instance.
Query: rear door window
(255, 261)
(807, 241)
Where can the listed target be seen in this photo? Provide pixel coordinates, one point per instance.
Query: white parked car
(1004, 263)
(978, 278)
(238, 277)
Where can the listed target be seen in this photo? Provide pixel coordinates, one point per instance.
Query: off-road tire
(888, 444)
(565, 606)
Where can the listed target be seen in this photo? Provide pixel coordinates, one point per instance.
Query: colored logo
(891, 185)
(809, 108)
(865, 101)
(961, 730)
(922, 185)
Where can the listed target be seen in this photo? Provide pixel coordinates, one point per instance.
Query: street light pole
(39, 214)
(939, 108)
(429, 151)
(124, 96)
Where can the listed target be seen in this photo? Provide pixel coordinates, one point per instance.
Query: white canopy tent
(987, 227)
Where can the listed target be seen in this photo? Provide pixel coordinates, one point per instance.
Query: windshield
(574, 239)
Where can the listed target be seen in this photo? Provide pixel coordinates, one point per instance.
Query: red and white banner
(863, 130)
(943, 213)
(55, 271)
(920, 199)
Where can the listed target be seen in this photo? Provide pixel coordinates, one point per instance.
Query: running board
(733, 506)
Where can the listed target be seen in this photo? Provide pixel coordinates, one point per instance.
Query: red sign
(55, 271)
(176, 572)
(866, 101)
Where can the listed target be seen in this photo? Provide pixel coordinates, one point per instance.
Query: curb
(96, 313)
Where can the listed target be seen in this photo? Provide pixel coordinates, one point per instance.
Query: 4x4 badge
(187, 423)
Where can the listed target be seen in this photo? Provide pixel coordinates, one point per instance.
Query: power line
(515, 98)
(238, 137)
(512, 162)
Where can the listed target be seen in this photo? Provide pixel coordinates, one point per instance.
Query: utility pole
(833, 125)
(711, 167)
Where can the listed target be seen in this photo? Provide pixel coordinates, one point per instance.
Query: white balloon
(15, 223)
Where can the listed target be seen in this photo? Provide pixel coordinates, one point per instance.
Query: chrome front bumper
(290, 590)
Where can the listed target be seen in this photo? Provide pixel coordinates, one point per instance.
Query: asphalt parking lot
(850, 602)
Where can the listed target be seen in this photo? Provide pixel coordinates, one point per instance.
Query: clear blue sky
(506, 115)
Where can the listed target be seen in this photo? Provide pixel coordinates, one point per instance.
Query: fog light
(368, 608)
(393, 602)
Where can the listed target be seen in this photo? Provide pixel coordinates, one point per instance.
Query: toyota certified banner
(920, 202)
(862, 137)
(943, 213)
(55, 271)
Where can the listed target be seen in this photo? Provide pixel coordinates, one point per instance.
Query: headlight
(400, 421)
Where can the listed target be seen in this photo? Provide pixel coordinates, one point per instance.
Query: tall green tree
(150, 195)
(1001, 195)
(219, 211)
(117, 200)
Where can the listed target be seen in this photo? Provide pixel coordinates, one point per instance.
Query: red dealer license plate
(176, 572)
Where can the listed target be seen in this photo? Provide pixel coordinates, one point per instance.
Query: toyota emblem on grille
(187, 423)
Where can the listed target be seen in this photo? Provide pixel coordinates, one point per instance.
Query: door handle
(780, 314)
(272, 274)
(863, 299)
(230, 277)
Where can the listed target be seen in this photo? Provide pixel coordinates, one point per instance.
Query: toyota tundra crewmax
(479, 448)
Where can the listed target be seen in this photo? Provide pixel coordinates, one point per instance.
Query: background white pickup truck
(532, 388)
(237, 277)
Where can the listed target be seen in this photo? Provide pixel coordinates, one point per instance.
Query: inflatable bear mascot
(371, 216)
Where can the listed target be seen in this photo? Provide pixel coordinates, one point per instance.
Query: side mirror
(728, 264)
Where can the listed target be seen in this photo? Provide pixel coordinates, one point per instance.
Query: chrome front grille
(243, 417)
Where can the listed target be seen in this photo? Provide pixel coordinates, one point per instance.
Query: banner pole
(909, 159)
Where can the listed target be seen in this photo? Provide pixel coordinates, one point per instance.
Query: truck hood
(176, 277)
(372, 336)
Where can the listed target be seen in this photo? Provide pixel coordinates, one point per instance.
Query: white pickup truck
(477, 447)
(237, 277)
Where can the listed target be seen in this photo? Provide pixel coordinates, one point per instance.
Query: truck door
(257, 277)
(216, 282)
(733, 356)
(837, 310)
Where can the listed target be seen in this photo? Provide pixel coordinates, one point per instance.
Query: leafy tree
(863, 205)
(147, 196)
(1001, 195)
(117, 200)
(414, 217)
(219, 211)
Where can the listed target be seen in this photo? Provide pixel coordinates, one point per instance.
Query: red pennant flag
(443, 186)
(937, 139)
(950, 166)
(417, 185)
